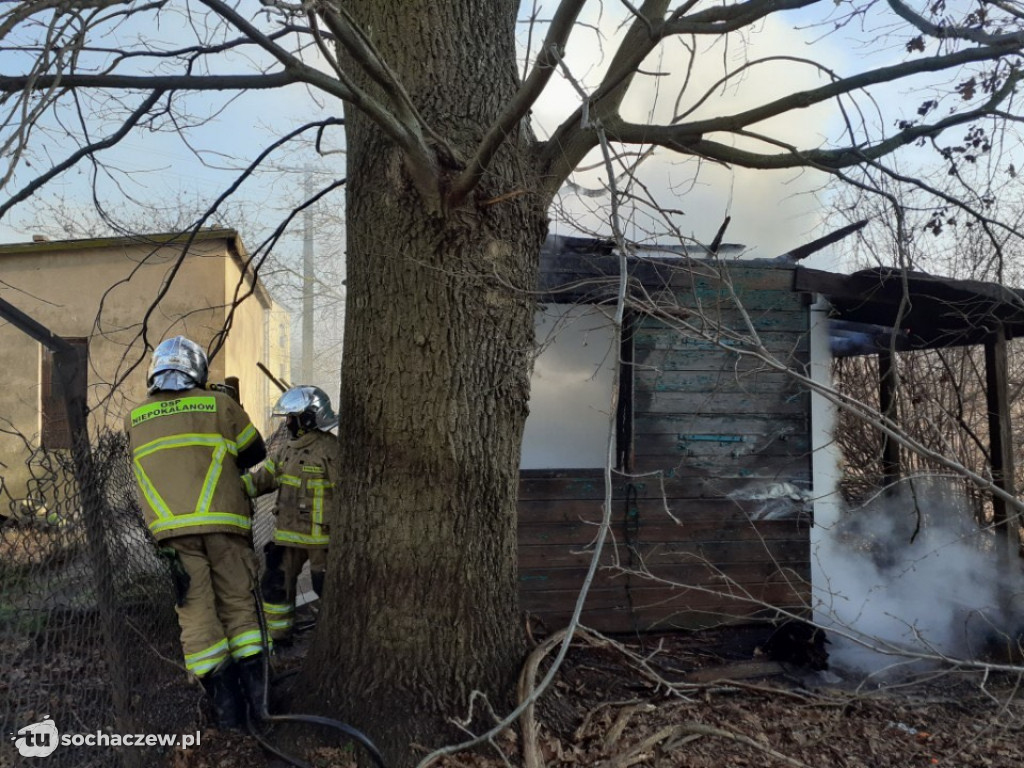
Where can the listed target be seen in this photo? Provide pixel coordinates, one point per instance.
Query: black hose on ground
(266, 717)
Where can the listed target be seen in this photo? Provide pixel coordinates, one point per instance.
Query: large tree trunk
(420, 606)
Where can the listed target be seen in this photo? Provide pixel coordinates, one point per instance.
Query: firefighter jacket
(303, 472)
(189, 449)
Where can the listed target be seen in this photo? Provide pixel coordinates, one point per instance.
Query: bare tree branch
(39, 181)
(804, 99)
(942, 31)
(551, 51)
(569, 143)
(403, 127)
(363, 51)
(17, 83)
(682, 139)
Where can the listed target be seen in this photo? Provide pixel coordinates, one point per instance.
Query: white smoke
(911, 571)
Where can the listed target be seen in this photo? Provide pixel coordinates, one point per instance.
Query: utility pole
(307, 285)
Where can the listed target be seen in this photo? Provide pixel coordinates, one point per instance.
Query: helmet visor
(182, 355)
(306, 399)
(295, 400)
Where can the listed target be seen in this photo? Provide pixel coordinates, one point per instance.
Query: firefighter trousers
(218, 619)
(279, 587)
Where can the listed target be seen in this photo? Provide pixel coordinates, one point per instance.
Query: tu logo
(37, 740)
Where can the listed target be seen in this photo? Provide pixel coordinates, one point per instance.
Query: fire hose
(265, 716)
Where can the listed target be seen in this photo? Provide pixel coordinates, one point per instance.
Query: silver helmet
(312, 401)
(177, 364)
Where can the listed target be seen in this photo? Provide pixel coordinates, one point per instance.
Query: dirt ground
(711, 700)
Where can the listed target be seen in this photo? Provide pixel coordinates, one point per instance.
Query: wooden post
(887, 407)
(1005, 517)
(624, 414)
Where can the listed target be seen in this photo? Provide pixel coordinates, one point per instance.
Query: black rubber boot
(250, 672)
(221, 687)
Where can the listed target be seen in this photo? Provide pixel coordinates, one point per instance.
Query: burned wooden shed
(711, 491)
(720, 456)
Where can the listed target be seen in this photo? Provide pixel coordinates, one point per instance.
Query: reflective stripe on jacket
(303, 472)
(185, 454)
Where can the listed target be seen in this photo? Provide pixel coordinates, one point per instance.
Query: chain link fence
(88, 633)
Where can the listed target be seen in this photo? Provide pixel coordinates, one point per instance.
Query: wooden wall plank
(764, 468)
(757, 381)
(661, 529)
(686, 359)
(687, 510)
(581, 484)
(666, 599)
(749, 424)
(544, 579)
(679, 552)
(623, 621)
(655, 336)
(660, 618)
(728, 322)
(684, 495)
(721, 402)
(723, 446)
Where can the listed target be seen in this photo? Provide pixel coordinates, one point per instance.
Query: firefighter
(303, 471)
(190, 444)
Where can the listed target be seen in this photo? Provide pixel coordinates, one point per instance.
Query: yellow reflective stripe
(269, 464)
(248, 484)
(194, 519)
(154, 499)
(250, 650)
(318, 512)
(312, 468)
(279, 625)
(203, 668)
(290, 537)
(201, 662)
(217, 648)
(184, 440)
(200, 668)
(246, 644)
(277, 609)
(289, 480)
(318, 487)
(210, 482)
(245, 437)
(244, 638)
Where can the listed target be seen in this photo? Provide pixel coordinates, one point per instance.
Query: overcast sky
(771, 211)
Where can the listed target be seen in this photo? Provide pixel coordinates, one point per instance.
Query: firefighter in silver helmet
(190, 444)
(303, 471)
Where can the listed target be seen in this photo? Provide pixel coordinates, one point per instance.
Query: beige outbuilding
(116, 298)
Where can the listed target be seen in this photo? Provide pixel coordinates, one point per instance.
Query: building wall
(711, 521)
(64, 286)
(279, 352)
(248, 346)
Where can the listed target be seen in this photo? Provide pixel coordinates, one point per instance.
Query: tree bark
(420, 607)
